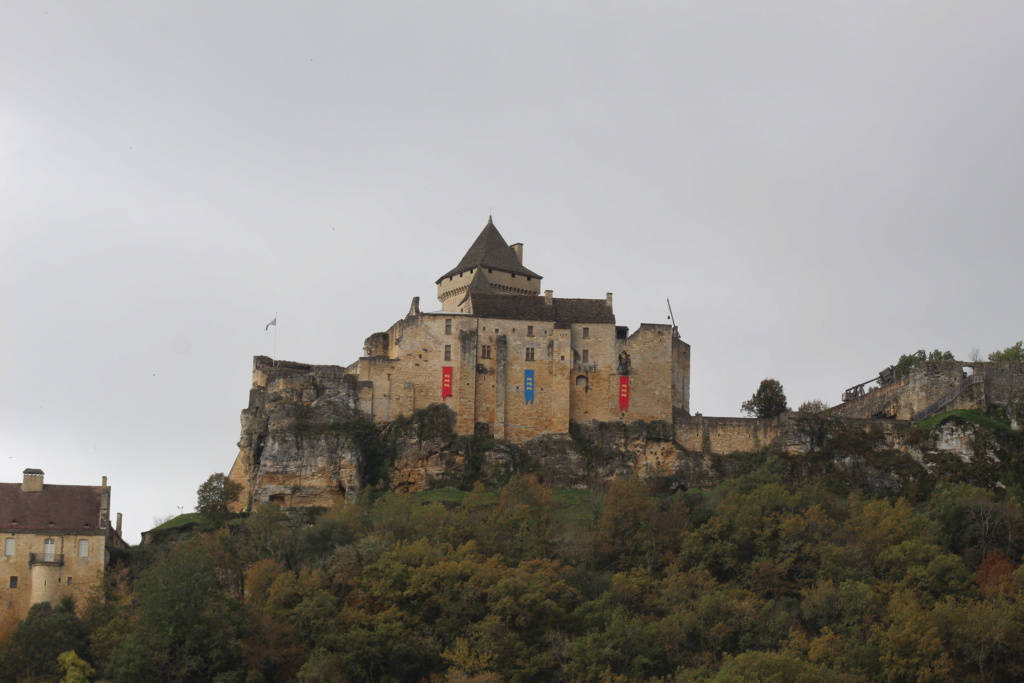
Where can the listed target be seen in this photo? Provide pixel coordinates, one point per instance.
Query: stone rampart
(724, 435)
(887, 400)
(1004, 382)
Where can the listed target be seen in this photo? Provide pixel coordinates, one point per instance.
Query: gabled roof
(562, 312)
(490, 250)
(68, 508)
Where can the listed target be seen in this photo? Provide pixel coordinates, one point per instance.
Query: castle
(515, 363)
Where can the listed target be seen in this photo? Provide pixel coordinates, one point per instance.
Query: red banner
(623, 394)
(446, 383)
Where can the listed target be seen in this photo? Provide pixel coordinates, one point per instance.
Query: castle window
(529, 330)
(83, 548)
(9, 547)
(447, 325)
(485, 351)
(529, 353)
(586, 333)
(447, 351)
(14, 582)
(586, 356)
(49, 550)
(581, 381)
(69, 580)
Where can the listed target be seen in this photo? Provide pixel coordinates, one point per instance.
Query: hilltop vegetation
(782, 570)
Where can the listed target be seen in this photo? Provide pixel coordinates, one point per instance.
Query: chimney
(518, 249)
(32, 480)
(414, 308)
(104, 481)
(118, 523)
(548, 294)
(608, 299)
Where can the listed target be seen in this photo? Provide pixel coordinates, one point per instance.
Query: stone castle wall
(725, 435)
(1004, 382)
(931, 381)
(576, 370)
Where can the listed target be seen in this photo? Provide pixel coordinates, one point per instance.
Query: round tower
(490, 266)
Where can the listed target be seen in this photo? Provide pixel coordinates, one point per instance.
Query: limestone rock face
(421, 464)
(292, 448)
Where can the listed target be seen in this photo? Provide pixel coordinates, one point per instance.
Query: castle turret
(491, 265)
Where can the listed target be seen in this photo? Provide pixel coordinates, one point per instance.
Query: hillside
(852, 562)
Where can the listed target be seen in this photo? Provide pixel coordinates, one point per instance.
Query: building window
(48, 550)
(447, 325)
(485, 351)
(586, 333)
(14, 582)
(447, 351)
(69, 580)
(529, 330)
(83, 548)
(529, 353)
(581, 381)
(586, 356)
(9, 546)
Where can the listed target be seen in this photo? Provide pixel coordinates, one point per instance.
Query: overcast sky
(818, 187)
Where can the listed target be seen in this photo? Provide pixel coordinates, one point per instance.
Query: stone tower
(490, 266)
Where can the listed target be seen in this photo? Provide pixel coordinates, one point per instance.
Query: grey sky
(818, 187)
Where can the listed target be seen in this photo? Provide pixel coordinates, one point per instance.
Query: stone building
(56, 541)
(509, 359)
(518, 363)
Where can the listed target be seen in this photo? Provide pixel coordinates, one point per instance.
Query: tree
(1011, 354)
(768, 401)
(812, 407)
(213, 498)
(32, 651)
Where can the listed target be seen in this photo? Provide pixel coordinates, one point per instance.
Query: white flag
(272, 322)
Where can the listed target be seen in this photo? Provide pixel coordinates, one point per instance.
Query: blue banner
(528, 386)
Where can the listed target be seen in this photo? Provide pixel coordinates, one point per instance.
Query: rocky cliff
(304, 443)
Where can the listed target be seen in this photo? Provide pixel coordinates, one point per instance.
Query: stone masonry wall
(724, 435)
(575, 368)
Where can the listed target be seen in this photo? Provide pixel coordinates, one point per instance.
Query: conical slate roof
(478, 284)
(490, 250)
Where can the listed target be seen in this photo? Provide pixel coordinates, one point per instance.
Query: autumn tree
(768, 401)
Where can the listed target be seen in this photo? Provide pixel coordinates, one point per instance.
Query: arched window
(581, 381)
